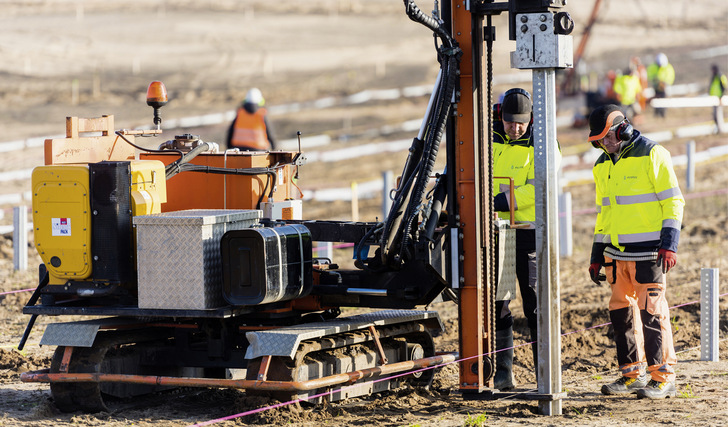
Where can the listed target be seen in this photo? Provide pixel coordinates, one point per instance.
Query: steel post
(709, 314)
(565, 226)
(547, 238)
(690, 174)
(20, 238)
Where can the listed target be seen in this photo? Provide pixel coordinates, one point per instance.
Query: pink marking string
(278, 405)
(16, 292)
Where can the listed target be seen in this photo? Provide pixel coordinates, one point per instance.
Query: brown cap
(602, 119)
(517, 106)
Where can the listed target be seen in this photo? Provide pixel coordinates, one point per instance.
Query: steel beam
(547, 238)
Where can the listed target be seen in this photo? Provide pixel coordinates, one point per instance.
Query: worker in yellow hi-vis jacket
(639, 214)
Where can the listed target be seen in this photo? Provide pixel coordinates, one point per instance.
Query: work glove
(594, 273)
(667, 259)
(500, 203)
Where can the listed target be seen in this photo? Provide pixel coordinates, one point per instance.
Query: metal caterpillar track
(338, 359)
(345, 353)
(112, 353)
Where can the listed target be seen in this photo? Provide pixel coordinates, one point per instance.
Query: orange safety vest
(249, 130)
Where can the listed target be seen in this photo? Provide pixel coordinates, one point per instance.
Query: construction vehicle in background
(195, 267)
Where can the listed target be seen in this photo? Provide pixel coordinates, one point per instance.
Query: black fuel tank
(266, 265)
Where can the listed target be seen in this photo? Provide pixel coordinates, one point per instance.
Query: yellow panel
(148, 187)
(62, 220)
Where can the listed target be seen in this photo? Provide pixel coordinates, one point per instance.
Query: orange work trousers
(641, 319)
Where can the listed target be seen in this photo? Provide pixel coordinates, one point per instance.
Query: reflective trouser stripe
(632, 370)
(640, 316)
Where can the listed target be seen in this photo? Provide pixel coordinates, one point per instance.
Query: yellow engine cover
(148, 187)
(62, 217)
(62, 221)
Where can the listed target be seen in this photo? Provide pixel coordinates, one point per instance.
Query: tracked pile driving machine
(195, 268)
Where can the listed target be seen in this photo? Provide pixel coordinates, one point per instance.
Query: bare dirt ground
(209, 53)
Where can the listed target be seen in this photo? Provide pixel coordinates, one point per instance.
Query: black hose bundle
(270, 172)
(396, 236)
(175, 167)
(414, 13)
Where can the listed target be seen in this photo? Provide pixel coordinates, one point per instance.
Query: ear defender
(624, 131)
(497, 113)
(517, 90)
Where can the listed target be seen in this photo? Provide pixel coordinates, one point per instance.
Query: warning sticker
(61, 226)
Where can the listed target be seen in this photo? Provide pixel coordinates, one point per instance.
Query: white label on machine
(60, 226)
(285, 209)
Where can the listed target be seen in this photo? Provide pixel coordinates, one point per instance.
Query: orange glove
(594, 273)
(667, 259)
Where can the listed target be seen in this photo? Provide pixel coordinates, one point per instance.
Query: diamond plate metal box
(178, 256)
(506, 253)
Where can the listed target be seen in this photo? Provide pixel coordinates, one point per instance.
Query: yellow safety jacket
(639, 203)
(628, 87)
(249, 130)
(661, 76)
(515, 159)
(718, 85)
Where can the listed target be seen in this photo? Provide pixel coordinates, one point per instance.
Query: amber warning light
(157, 98)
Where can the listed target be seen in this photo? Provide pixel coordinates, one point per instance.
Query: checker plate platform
(285, 341)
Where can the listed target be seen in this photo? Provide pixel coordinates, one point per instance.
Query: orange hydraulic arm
(471, 139)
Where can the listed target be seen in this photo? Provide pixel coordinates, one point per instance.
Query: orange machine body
(195, 190)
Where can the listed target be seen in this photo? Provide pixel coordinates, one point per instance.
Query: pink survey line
(255, 411)
(16, 292)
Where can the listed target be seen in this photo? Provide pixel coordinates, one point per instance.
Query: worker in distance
(639, 215)
(251, 129)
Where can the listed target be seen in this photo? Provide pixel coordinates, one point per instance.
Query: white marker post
(20, 238)
(709, 314)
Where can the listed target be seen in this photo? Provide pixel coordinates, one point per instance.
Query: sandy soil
(305, 50)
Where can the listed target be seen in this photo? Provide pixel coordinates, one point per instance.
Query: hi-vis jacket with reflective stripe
(639, 203)
(514, 159)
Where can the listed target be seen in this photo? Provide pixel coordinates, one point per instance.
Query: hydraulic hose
(396, 233)
(438, 201)
(182, 164)
(270, 172)
(120, 134)
(174, 168)
(431, 151)
(414, 13)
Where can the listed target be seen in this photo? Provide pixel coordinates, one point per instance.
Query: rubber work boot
(504, 360)
(625, 385)
(657, 390)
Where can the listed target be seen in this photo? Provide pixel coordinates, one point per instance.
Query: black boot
(534, 349)
(504, 360)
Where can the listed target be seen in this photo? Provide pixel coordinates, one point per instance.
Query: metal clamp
(512, 201)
